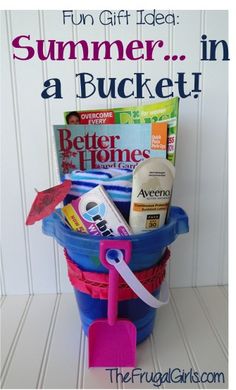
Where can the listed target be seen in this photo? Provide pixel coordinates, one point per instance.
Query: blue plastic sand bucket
(147, 251)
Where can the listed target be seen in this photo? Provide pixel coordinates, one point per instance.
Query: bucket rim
(153, 240)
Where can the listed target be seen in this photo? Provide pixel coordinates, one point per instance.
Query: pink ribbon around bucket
(96, 284)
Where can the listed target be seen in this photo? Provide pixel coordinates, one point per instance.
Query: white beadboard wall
(32, 262)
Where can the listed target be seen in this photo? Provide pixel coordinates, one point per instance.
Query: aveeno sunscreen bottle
(151, 194)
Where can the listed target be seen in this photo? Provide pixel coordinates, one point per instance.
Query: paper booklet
(104, 146)
(164, 111)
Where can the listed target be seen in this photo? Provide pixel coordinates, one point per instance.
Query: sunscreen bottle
(151, 194)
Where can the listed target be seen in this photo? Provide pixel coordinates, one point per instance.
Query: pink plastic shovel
(112, 341)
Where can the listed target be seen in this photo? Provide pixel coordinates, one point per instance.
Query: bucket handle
(113, 256)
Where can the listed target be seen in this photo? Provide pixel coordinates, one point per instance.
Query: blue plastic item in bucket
(147, 250)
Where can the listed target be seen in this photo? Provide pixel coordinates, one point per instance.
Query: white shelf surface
(43, 345)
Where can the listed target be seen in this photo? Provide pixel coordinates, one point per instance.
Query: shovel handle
(115, 248)
(112, 296)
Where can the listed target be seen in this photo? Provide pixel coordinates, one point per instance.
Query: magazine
(165, 111)
(108, 146)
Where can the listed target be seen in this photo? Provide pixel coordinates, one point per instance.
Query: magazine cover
(114, 255)
(166, 111)
(85, 147)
